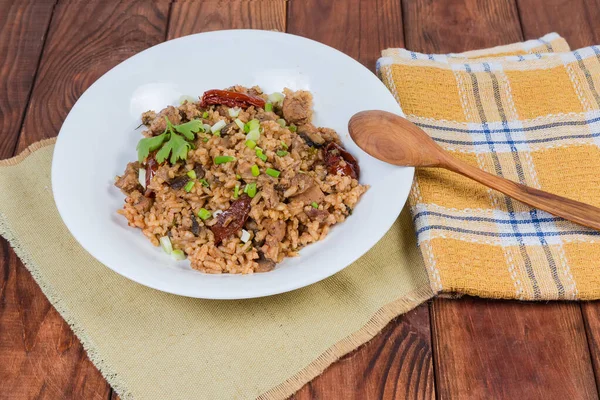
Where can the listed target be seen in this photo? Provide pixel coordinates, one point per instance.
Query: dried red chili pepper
(151, 168)
(230, 99)
(334, 154)
(232, 220)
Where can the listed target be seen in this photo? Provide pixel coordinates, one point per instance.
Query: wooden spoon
(396, 140)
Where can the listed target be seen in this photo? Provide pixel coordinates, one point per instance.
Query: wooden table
(468, 348)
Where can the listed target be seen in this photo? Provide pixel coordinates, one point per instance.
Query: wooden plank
(504, 349)
(575, 20)
(39, 355)
(398, 361)
(396, 364)
(190, 16)
(88, 39)
(359, 28)
(23, 26)
(496, 349)
(452, 26)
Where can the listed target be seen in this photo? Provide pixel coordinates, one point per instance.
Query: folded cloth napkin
(529, 112)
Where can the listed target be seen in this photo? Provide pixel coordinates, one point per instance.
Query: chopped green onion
(142, 177)
(260, 154)
(223, 159)
(217, 133)
(246, 188)
(239, 123)
(204, 182)
(205, 114)
(189, 186)
(252, 124)
(282, 153)
(250, 144)
(184, 98)
(238, 176)
(192, 174)
(276, 98)
(269, 107)
(245, 236)
(281, 122)
(253, 135)
(252, 128)
(293, 128)
(206, 127)
(236, 191)
(272, 172)
(205, 139)
(204, 214)
(284, 145)
(178, 255)
(166, 245)
(251, 189)
(255, 171)
(234, 112)
(218, 126)
(314, 204)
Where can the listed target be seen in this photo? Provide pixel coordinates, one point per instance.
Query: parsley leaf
(146, 145)
(189, 128)
(177, 146)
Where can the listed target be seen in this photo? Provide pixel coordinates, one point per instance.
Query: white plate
(97, 140)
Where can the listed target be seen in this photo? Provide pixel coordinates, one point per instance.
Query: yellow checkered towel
(529, 112)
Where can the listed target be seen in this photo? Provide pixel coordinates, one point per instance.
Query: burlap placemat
(154, 345)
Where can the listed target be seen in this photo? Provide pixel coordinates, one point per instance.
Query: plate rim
(289, 286)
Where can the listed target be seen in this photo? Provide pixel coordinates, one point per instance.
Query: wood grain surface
(396, 364)
(497, 349)
(39, 355)
(482, 349)
(23, 27)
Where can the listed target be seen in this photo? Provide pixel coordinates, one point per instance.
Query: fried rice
(237, 205)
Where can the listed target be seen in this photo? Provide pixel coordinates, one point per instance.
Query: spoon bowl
(393, 139)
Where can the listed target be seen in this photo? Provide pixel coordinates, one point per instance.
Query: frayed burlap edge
(94, 355)
(282, 391)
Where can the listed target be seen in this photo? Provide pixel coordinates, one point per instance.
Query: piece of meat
(312, 194)
(228, 129)
(244, 169)
(269, 195)
(151, 168)
(317, 215)
(232, 220)
(303, 182)
(310, 134)
(297, 107)
(263, 115)
(143, 203)
(339, 160)
(178, 182)
(230, 99)
(264, 264)
(276, 229)
(129, 181)
(159, 124)
(148, 117)
(199, 170)
(195, 226)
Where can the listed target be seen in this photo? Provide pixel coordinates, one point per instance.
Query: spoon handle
(575, 211)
